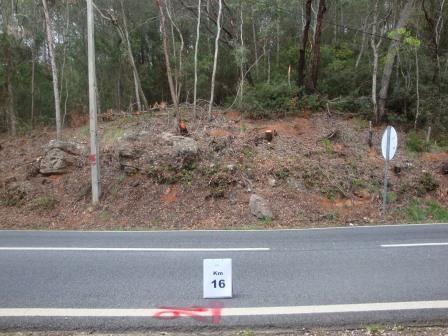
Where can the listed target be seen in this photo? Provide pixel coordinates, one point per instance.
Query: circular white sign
(389, 138)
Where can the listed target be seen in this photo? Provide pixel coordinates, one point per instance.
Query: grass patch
(423, 211)
(373, 329)
(266, 221)
(414, 143)
(106, 216)
(245, 333)
(46, 203)
(112, 134)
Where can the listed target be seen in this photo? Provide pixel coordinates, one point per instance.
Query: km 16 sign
(217, 278)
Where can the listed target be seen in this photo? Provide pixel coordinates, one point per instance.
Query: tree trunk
(417, 88)
(316, 51)
(167, 57)
(242, 60)
(363, 43)
(302, 50)
(215, 61)
(434, 27)
(33, 68)
(138, 85)
(54, 70)
(375, 47)
(11, 109)
(254, 36)
(178, 69)
(196, 48)
(390, 59)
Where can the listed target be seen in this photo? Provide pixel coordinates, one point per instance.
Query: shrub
(428, 183)
(415, 143)
(420, 212)
(267, 100)
(46, 203)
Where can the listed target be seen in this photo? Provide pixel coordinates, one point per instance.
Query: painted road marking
(414, 245)
(249, 311)
(137, 249)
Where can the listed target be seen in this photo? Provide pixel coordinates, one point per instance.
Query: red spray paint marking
(92, 159)
(195, 312)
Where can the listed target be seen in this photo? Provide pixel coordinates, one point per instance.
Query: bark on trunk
(390, 59)
(302, 50)
(375, 47)
(167, 56)
(316, 52)
(215, 61)
(196, 48)
(138, 85)
(54, 70)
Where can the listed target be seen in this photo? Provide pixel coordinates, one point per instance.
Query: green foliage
(414, 143)
(427, 183)
(46, 203)
(268, 100)
(373, 329)
(406, 36)
(282, 173)
(14, 196)
(420, 211)
(245, 333)
(311, 102)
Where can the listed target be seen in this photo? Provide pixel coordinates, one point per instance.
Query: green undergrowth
(421, 211)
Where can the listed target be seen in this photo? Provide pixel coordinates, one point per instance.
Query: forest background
(379, 59)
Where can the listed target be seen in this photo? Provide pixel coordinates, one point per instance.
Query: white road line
(248, 311)
(414, 245)
(137, 249)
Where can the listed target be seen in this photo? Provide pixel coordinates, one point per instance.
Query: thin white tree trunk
(196, 48)
(417, 88)
(375, 47)
(167, 58)
(179, 69)
(54, 71)
(242, 56)
(33, 77)
(138, 85)
(33, 67)
(363, 43)
(215, 61)
(254, 35)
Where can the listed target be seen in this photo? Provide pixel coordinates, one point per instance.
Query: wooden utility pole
(94, 149)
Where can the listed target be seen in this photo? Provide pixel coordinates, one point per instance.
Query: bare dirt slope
(317, 171)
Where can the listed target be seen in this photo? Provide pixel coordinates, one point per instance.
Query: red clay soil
(307, 178)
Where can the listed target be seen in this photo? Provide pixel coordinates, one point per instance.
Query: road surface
(290, 278)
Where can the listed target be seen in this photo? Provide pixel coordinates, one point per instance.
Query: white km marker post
(217, 278)
(389, 145)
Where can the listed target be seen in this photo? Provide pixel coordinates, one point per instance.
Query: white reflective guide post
(217, 278)
(393, 143)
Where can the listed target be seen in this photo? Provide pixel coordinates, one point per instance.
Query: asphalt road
(123, 280)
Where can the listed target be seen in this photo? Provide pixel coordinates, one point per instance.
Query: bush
(46, 203)
(267, 100)
(431, 210)
(428, 183)
(415, 143)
